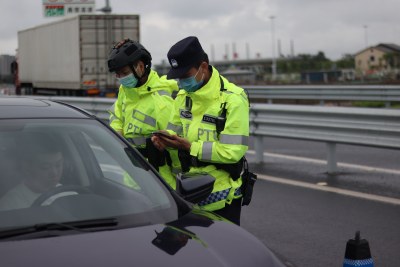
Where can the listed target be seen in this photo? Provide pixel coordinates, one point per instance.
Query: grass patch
(375, 104)
(369, 104)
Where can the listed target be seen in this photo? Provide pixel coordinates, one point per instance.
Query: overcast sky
(336, 27)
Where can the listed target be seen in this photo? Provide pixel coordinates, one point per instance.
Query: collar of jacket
(144, 88)
(210, 91)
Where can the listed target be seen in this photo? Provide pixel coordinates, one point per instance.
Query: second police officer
(144, 104)
(209, 126)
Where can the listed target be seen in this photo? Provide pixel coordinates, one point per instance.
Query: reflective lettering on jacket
(229, 146)
(211, 135)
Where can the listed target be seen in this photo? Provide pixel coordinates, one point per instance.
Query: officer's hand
(174, 141)
(158, 143)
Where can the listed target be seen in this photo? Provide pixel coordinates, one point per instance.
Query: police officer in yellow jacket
(143, 106)
(209, 126)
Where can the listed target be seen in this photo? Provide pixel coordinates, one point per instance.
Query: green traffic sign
(54, 11)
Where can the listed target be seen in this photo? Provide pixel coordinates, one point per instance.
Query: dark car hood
(193, 240)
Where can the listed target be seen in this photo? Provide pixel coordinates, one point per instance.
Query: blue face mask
(129, 81)
(190, 84)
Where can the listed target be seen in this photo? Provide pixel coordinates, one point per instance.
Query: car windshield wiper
(80, 226)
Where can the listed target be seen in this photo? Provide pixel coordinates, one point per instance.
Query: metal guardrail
(356, 126)
(384, 93)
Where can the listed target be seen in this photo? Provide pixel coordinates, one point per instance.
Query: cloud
(334, 27)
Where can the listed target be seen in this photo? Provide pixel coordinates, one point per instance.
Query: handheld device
(162, 134)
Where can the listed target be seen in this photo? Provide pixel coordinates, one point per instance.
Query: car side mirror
(194, 187)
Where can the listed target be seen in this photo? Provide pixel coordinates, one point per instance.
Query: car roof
(21, 107)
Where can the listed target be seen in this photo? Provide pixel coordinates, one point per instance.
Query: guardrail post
(331, 157)
(387, 104)
(259, 147)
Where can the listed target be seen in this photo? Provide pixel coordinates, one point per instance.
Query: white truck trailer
(69, 56)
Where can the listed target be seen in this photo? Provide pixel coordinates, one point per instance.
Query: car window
(68, 170)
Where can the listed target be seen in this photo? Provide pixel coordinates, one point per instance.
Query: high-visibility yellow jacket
(140, 111)
(197, 124)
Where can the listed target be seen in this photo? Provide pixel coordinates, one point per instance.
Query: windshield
(69, 170)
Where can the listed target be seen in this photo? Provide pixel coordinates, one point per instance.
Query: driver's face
(46, 172)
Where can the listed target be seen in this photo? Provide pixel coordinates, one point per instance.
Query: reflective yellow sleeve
(195, 148)
(164, 107)
(116, 116)
(175, 125)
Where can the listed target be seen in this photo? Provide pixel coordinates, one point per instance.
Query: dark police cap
(184, 55)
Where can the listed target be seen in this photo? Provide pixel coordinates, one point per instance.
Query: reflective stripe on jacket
(197, 124)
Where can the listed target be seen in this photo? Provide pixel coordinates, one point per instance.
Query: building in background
(320, 77)
(379, 58)
(239, 76)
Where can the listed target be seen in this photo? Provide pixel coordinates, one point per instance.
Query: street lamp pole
(273, 48)
(366, 35)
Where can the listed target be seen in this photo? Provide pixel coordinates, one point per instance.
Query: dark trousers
(232, 211)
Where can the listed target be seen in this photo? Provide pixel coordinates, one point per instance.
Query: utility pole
(212, 53)
(234, 53)
(273, 48)
(279, 48)
(226, 51)
(291, 48)
(366, 35)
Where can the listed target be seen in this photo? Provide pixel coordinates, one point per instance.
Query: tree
(392, 59)
(320, 57)
(309, 62)
(346, 62)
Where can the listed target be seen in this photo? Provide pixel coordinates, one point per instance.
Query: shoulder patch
(186, 114)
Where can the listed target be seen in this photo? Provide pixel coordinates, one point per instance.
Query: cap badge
(174, 63)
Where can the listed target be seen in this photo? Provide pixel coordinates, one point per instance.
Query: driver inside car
(41, 164)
